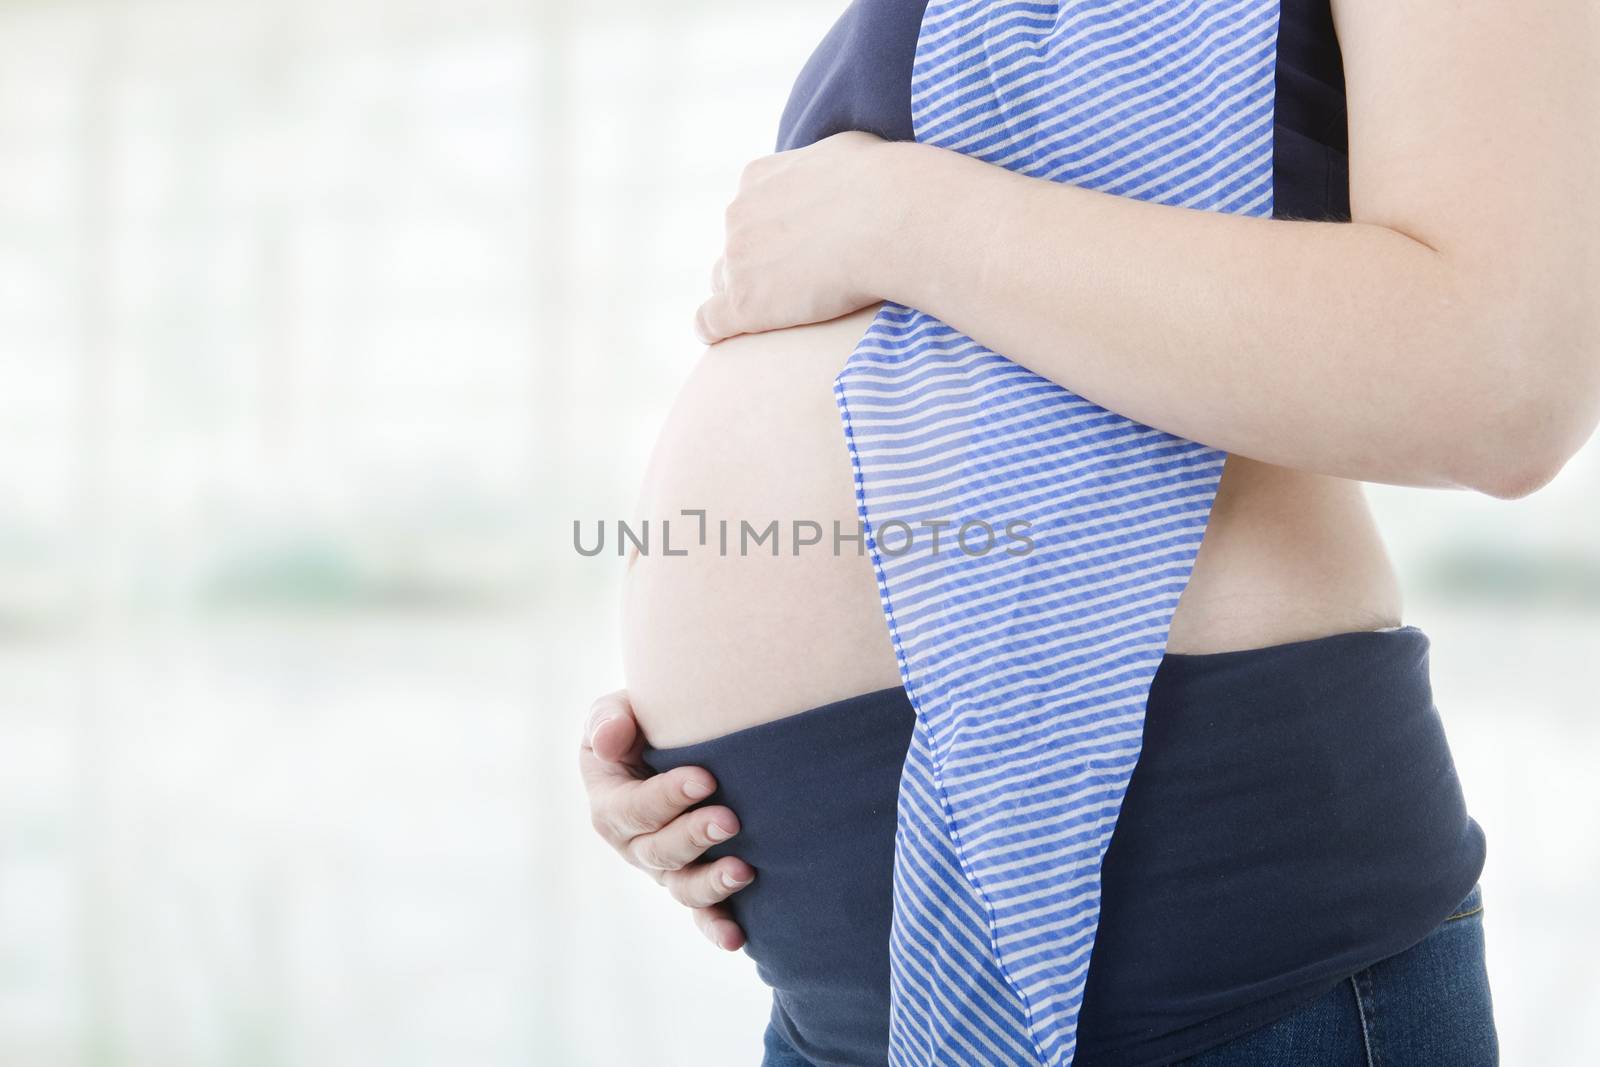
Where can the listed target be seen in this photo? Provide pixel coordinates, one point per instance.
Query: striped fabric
(1029, 671)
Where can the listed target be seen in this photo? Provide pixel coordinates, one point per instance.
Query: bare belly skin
(716, 641)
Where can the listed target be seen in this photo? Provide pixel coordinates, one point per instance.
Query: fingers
(626, 799)
(719, 276)
(611, 729)
(614, 765)
(623, 810)
(715, 320)
(645, 817)
(682, 841)
(704, 884)
(719, 928)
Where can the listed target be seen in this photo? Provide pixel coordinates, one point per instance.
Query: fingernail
(717, 832)
(695, 789)
(596, 728)
(734, 883)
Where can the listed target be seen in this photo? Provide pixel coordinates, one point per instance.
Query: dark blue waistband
(1295, 816)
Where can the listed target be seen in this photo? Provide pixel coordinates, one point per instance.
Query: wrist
(936, 215)
(895, 227)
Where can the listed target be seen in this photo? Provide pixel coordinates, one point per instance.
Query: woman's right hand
(644, 816)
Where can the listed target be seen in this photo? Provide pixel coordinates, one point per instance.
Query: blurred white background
(320, 322)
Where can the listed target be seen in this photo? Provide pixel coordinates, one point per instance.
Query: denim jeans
(1429, 1006)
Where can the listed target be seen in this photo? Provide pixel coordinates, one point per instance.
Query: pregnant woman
(1293, 873)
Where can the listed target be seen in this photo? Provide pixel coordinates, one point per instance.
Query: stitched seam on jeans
(1361, 1014)
(1463, 914)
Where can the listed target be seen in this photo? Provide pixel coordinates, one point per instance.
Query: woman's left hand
(797, 233)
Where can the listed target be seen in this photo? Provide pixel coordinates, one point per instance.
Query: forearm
(1346, 349)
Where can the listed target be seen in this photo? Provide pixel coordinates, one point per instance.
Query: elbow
(1541, 404)
(1515, 477)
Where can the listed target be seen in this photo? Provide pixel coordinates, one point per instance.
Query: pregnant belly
(753, 624)
(749, 625)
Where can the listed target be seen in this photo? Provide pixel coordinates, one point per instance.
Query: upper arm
(1474, 129)
(1473, 121)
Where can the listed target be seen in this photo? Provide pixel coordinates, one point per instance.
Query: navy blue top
(859, 78)
(1295, 817)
